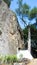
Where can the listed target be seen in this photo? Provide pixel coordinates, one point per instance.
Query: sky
(31, 3)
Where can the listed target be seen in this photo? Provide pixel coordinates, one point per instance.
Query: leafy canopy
(33, 13)
(22, 9)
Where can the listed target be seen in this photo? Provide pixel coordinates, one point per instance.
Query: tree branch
(23, 21)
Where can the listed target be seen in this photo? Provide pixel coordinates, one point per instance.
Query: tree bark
(29, 40)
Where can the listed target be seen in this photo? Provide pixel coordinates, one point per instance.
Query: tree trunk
(29, 40)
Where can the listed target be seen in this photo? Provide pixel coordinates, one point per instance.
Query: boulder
(10, 38)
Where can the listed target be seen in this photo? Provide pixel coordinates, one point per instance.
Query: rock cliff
(10, 38)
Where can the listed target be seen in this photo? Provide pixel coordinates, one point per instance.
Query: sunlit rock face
(9, 34)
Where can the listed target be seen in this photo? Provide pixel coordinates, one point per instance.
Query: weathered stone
(10, 36)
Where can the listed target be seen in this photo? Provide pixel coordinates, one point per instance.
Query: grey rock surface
(10, 38)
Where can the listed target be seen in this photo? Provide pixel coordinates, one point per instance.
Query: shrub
(9, 58)
(14, 58)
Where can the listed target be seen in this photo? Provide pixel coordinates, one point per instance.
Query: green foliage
(8, 58)
(33, 33)
(25, 31)
(33, 13)
(23, 9)
(14, 58)
(11, 58)
(33, 30)
(8, 2)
